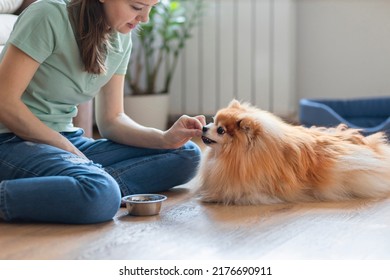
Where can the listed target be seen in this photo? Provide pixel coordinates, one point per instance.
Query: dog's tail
(363, 171)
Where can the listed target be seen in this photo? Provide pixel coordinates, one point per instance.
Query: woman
(60, 53)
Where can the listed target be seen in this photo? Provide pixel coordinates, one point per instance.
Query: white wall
(343, 48)
(274, 52)
(242, 49)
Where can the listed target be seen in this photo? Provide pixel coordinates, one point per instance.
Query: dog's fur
(254, 157)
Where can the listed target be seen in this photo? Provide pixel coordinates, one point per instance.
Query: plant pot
(148, 110)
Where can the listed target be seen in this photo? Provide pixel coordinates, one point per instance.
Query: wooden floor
(188, 229)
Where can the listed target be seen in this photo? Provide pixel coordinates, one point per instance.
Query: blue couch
(369, 114)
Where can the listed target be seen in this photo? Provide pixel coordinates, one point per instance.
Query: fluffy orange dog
(254, 157)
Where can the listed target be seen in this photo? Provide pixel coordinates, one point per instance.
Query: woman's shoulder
(120, 42)
(43, 3)
(45, 12)
(41, 28)
(47, 8)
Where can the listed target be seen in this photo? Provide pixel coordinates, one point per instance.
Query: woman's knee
(192, 152)
(191, 155)
(101, 198)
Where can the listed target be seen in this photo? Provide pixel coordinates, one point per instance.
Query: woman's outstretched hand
(183, 130)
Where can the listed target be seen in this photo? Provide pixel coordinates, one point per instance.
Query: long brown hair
(92, 33)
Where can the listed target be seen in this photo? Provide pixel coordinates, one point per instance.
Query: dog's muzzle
(205, 139)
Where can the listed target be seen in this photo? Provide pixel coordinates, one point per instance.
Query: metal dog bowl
(144, 204)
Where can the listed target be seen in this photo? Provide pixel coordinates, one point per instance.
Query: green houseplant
(158, 44)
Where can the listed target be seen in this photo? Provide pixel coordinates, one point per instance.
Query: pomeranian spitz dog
(254, 157)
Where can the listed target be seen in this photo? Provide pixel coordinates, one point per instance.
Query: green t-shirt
(44, 32)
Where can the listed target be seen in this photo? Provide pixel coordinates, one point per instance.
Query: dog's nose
(204, 129)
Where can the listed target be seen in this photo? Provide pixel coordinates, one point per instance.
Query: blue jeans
(39, 182)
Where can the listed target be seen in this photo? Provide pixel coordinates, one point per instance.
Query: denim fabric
(43, 183)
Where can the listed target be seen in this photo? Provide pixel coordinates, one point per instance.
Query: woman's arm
(16, 71)
(114, 124)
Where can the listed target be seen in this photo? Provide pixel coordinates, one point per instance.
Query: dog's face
(214, 134)
(236, 124)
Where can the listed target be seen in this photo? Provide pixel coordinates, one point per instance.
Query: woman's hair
(92, 33)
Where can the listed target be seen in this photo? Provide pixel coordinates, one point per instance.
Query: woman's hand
(183, 130)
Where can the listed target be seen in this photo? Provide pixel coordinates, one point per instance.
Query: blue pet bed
(368, 114)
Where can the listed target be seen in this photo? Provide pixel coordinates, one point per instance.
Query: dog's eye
(220, 130)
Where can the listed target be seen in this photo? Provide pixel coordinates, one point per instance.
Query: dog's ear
(234, 104)
(245, 124)
(249, 126)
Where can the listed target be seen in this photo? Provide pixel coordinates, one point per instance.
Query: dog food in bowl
(144, 204)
